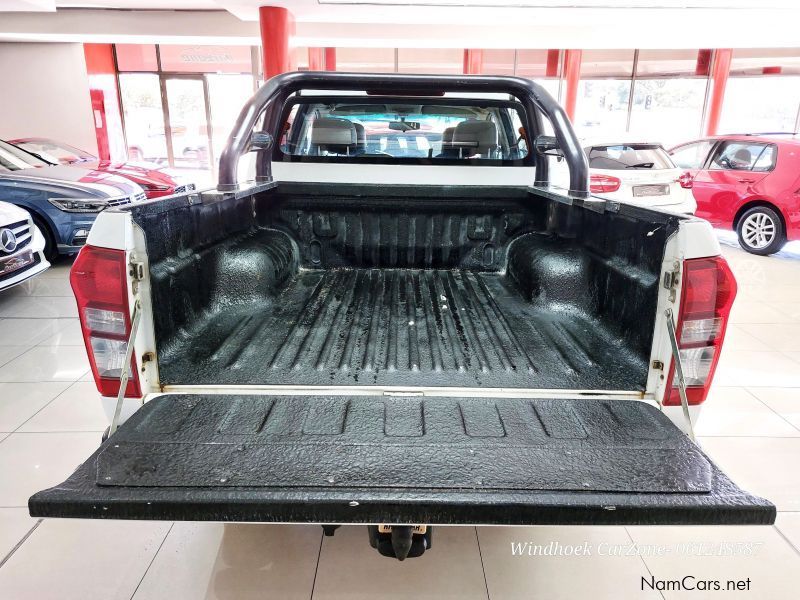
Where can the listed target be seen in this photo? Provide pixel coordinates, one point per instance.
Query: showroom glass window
(763, 91)
(668, 95)
(604, 92)
(180, 101)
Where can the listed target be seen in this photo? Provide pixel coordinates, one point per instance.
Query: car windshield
(15, 159)
(629, 156)
(405, 129)
(56, 152)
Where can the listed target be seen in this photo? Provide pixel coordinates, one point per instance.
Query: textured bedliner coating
(349, 285)
(367, 459)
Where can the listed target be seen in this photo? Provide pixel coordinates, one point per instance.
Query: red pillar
(473, 62)
(102, 71)
(316, 59)
(572, 74)
(330, 59)
(551, 69)
(277, 29)
(720, 68)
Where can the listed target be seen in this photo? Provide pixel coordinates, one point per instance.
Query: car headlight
(79, 205)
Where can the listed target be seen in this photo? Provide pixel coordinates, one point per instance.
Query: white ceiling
(416, 23)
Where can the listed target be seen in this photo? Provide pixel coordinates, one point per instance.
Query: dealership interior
(127, 102)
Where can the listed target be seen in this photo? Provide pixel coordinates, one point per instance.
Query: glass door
(188, 123)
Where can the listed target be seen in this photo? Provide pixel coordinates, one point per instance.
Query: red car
(155, 182)
(749, 183)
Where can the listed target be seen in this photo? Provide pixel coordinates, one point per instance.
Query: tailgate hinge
(136, 271)
(672, 279)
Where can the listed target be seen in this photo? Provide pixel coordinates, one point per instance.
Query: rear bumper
(401, 460)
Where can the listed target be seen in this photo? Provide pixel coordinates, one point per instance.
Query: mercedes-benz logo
(8, 241)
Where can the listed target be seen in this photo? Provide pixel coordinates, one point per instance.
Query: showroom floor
(50, 421)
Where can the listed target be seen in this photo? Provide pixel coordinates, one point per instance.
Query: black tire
(760, 230)
(50, 245)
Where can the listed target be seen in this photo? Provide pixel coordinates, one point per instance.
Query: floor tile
(16, 332)
(788, 523)
(763, 466)
(234, 560)
(78, 408)
(67, 559)
(45, 286)
(603, 572)
(737, 338)
(31, 462)
(69, 335)
(15, 523)
(35, 307)
(757, 553)
(8, 353)
(731, 411)
(771, 293)
(20, 401)
(792, 309)
(784, 337)
(755, 369)
(349, 568)
(59, 269)
(748, 311)
(784, 401)
(47, 363)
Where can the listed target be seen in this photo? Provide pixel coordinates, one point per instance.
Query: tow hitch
(400, 541)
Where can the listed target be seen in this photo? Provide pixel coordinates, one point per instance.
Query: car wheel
(760, 231)
(50, 246)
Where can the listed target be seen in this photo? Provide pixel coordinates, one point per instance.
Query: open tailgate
(373, 459)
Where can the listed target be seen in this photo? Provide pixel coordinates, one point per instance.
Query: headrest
(328, 131)
(447, 135)
(361, 135)
(475, 137)
(743, 156)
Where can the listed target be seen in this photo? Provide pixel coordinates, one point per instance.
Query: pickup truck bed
(396, 353)
(347, 285)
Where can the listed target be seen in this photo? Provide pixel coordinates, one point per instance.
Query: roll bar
(270, 98)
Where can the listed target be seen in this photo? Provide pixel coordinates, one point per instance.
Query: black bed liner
(405, 327)
(434, 460)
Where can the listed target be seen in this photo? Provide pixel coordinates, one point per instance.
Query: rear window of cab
(429, 131)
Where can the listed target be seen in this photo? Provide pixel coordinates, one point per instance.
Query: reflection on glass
(602, 107)
(144, 117)
(760, 104)
(188, 125)
(227, 95)
(669, 111)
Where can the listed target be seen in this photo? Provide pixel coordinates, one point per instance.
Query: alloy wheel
(759, 230)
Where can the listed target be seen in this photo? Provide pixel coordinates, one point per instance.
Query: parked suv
(749, 183)
(63, 200)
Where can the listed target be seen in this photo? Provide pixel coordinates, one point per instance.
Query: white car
(640, 173)
(21, 246)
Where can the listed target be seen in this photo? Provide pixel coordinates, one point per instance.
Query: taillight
(602, 184)
(98, 279)
(686, 180)
(706, 299)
